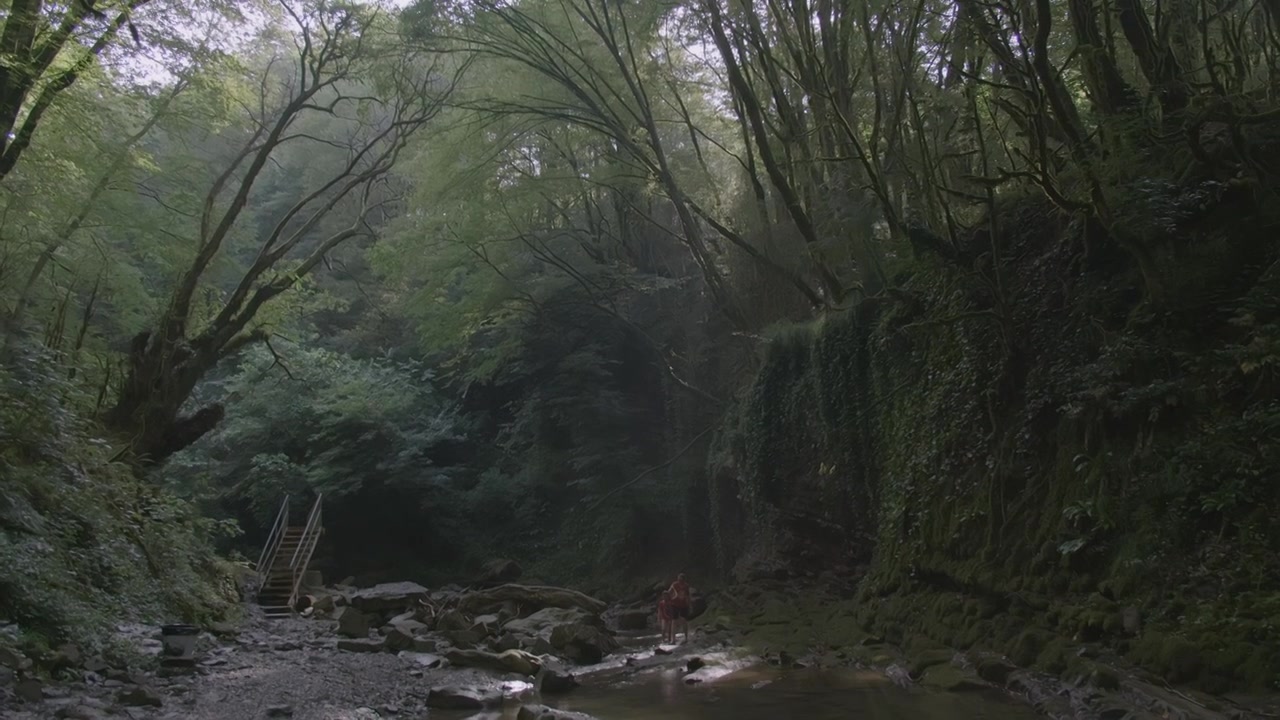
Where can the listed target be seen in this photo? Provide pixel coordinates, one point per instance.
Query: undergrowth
(1066, 463)
(86, 544)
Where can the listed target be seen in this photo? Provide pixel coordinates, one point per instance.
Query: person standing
(678, 605)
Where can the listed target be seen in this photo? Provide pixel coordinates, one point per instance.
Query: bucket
(179, 641)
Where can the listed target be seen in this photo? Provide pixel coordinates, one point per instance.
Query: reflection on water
(759, 693)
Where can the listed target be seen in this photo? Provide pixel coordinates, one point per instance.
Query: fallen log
(516, 661)
(530, 597)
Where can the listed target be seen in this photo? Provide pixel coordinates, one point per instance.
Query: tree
(345, 59)
(45, 51)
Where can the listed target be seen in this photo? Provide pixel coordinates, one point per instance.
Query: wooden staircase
(285, 558)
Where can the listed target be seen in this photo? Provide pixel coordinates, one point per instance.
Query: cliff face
(1046, 449)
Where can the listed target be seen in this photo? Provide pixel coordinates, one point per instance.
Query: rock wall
(1051, 448)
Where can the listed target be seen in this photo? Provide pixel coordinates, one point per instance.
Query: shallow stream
(766, 692)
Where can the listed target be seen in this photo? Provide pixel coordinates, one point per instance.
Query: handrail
(267, 559)
(306, 546)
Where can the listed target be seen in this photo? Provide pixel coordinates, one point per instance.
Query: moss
(1027, 647)
(1054, 658)
(1177, 659)
(1012, 498)
(926, 659)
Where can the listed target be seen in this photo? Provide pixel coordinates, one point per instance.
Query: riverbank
(755, 646)
(825, 624)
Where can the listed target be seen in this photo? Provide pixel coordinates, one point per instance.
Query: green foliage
(1109, 452)
(84, 543)
(318, 421)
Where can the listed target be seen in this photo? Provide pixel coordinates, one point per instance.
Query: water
(762, 692)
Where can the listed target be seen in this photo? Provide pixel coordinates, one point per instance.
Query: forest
(972, 306)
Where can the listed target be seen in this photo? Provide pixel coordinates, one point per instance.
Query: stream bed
(764, 692)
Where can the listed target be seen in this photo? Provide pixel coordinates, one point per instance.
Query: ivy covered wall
(1036, 451)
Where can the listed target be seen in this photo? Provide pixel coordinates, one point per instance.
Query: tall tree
(347, 63)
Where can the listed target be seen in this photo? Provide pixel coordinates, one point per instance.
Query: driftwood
(516, 661)
(530, 598)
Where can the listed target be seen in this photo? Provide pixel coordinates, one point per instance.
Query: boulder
(529, 596)
(30, 690)
(996, 670)
(394, 597)
(462, 638)
(553, 679)
(485, 624)
(13, 660)
(398, 639)
(582, 643)
(452, 620)
(634, 619)
(457, 697)
(515, 661)
(544, 621)
(542, 712)
(506, 641)
(139, 696)
(365, 645)
(951, 679)
(539, 646)
(352, 622)
(425, 645)
(409, 627)
(324, 603)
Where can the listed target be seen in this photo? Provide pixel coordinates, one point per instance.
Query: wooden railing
(306, 546)
(268, 556)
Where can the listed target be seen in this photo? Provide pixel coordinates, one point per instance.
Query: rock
(499, 571)
(280, 711)
(452, 620)
(13, 660)
(394, 597)
(312, 579)
(516, 661)
(555, 680)
(1131, 620)
(324, 603)
(223, 629)
(30, 690)
(81, 712)
(697, 606)
(67, 656)
(352, 623)
(582, 643)
(929, 658)
(426, 660)
(139, 696)
(453, 697)
(547, 619)
(364, 645)
(695, 664)
(95, 665)
(424, 645)
(542, 712)
(951, 679)
(485, 624)
(529, 596)
(634, 619)
(397, 639)
(463, 638)
(506, 641)
(996, 671)
(7, 677)
(539, 646)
